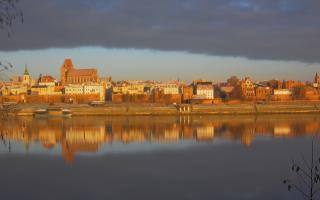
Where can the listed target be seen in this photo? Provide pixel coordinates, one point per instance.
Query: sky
(168, 39)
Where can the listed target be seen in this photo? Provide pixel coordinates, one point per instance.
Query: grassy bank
(158, 109)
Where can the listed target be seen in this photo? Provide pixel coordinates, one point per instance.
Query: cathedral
(70, 75)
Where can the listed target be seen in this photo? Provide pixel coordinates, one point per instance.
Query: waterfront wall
(147, 98)
(40, 99)
(162, 109)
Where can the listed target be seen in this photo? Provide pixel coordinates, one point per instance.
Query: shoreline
(184, 109)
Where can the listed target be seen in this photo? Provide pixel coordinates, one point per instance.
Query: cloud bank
(256, 29)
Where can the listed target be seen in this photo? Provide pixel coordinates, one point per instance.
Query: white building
(95, 89)
(86, 89)
(171, 89)
(44, 90)
(73, 89)
(204, 90)
(14, 90)
(282, 92)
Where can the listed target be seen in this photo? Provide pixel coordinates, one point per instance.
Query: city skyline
(159, 99)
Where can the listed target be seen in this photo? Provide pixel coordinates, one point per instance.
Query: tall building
(26, 77)
(316, 80)
(247, 87)
(70, 75)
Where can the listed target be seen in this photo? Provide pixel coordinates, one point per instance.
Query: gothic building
(70, 75)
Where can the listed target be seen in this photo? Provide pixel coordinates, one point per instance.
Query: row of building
(85, 83)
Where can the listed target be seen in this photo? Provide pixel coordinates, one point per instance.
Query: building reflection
(88, 134)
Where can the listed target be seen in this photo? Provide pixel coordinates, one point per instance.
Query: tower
(317, 79)
(66, 66)
(26, 76)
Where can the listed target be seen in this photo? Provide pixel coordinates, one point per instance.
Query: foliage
(307, 177)
(237, 93)
(233, 81)
(4, 67)
(9, 12)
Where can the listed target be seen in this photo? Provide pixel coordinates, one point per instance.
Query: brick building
(291, 84)
(47, 80)
(316, 82)
(263, 93)
(247, 88)
(275, 84)
(187, 93)
(70, 75)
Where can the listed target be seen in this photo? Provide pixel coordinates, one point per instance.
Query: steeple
(26, 70)
(26, 76)
(317, 78)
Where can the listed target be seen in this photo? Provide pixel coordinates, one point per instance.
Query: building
(128, 88)
(275, 84)
(86, 89)
(306, 93)
(70, 75)
(316, 82)
(171, 89)
(263, 93)
(26, 79)
(44, 90)
(247, 88)
(47, 80)
(107, 84)
(282, 94)
(204, 90)
(8, 90)
(291, 84)
(73, 89)
(187, 93)
(95, 89)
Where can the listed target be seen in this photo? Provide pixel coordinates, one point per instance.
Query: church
(70, 75)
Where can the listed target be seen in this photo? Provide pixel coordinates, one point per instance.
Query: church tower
(65, 68)
(317, 79)
(26, 76)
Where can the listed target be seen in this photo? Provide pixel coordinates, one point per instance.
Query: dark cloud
(258, 29)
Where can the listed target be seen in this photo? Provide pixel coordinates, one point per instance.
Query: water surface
(188, 157)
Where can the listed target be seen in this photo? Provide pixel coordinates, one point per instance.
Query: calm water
(198, 157)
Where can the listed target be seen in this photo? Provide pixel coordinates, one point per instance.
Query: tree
(237, 93)
(233, 81)
(4, 67)
(307, 177)
(9, 12)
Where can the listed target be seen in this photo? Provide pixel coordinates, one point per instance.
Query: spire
(316, 78)
(26, 70)
(40, 77)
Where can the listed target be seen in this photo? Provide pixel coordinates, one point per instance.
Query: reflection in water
(88, 134)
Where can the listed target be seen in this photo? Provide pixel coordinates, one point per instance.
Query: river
(154, 157)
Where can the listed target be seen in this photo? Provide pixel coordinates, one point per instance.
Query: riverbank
(185, 109)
